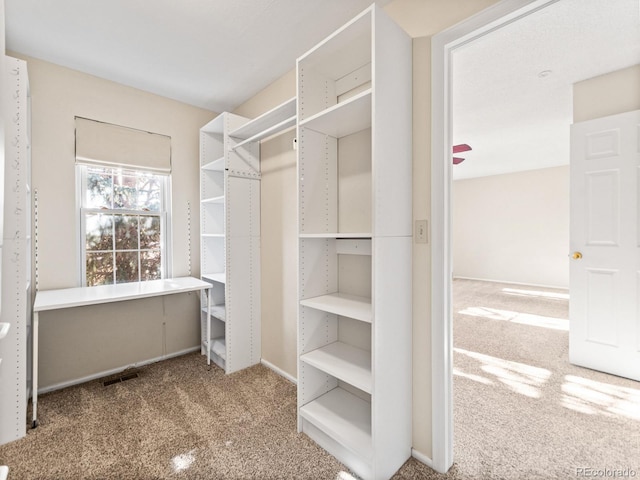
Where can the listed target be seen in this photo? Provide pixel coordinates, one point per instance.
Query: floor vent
(122, 377)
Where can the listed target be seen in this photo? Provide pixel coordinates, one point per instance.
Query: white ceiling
(216, 54)
(210, 53)
(513, 117)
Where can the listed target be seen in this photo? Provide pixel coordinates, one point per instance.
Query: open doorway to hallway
(521, 410)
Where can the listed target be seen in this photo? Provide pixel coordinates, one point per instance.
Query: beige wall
(615, 92)
(81, 342)
(513, 227)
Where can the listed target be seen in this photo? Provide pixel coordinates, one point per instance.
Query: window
(123, 224)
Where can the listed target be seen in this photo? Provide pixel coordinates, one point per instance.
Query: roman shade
(108, 145)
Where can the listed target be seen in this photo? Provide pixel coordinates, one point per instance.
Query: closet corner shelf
(344, 417)
(215, 277)
(217, 200)
(352, 306)
(343, 361)
(219, 348)
(267, 122)
(336, 235)
(217, 311)
(343, 118)
(4, 329)
(216, 165)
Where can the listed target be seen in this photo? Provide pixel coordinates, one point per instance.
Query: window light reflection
(590, 396)
(518, 317)
(519, 377)
(536, 293)
(183, 461)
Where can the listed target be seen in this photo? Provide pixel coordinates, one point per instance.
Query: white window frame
(164, 214)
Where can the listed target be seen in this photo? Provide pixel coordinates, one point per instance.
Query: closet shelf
(344, 417)
(215, 277)
(4, 329)
(216, 165)
(216, 200)
(219, 348)
(343, 361)
(289, 122)
(217, 311)
(335, 235)
(282, 116)
(344, 118)
(213, 235)
(352, 306)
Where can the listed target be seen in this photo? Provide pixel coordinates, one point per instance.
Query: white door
(605, 266)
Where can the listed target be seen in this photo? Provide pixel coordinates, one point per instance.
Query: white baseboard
(113, 371)
(457, 277)
(421, 457)
(279, 371)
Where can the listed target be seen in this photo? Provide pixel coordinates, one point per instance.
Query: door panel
(605, 214)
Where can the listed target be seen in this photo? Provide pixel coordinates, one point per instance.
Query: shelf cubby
(343, 361)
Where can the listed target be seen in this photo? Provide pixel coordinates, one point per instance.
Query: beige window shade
(108, 145)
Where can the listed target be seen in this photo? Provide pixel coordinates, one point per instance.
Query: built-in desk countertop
(82, 296)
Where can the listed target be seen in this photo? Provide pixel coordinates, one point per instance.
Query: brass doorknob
(576, 255)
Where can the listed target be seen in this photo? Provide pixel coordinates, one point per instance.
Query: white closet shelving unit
(230, 244)
(230, 231)
(354, 193)
(15, 321)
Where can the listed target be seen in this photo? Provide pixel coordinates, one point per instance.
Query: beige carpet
(177, 420)
(521, 412)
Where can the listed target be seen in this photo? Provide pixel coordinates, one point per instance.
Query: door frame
(443, 45)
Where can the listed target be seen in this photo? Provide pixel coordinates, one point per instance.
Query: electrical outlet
(421, 233)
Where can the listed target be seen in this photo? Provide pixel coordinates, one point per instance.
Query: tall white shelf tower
(15, 322)
(230, 244)
(355, 240)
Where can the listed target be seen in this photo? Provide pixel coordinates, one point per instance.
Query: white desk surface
(79, 296)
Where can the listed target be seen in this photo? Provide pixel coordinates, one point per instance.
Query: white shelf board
(219, 199)
(336, 235)
(344, 417)
(213, 235)
(344, 118)
(4, 329)
(289, 122)
(219, 348)
(80, 296)
(217, 311)
(350, 306)
(343, 361)
(216, 277)
(216, 165)
(274, 117)
(4, 472)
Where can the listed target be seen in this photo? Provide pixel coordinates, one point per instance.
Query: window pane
(99, 268)
(99, 192)
(149, 188)
(126, 267)
(99, 229)
(150, 265)
(125, 193)
(126, 232)
(149, 232)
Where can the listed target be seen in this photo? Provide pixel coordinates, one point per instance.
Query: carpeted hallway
(521, 411)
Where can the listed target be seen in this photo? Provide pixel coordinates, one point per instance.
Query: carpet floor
(521, 409)
(521, 412)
